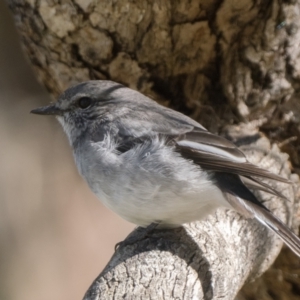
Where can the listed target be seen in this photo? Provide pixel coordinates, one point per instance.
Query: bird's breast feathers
(148, 180)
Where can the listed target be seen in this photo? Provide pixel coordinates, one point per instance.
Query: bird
(153, 165)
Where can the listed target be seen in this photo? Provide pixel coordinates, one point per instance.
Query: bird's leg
(138, 235)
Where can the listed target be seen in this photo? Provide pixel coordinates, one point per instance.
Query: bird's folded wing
(215, 153)
(254, 184)
(233, 174)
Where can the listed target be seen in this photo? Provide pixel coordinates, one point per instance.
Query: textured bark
(221, 62)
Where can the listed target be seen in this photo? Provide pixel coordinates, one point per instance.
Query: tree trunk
(221, 62)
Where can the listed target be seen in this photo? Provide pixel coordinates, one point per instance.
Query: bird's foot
(138, 235)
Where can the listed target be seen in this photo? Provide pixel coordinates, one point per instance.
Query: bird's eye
(84, 102)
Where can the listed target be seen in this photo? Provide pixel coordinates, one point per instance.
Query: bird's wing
(211, 152)
(215, 153)
(255, 184)
(233, 174)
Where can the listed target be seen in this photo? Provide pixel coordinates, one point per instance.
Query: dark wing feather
(254, 184)
(217, 154)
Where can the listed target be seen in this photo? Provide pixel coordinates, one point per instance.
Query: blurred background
(55, 236)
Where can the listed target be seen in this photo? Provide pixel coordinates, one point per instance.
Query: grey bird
(151, 164)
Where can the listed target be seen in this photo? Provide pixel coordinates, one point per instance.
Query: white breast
(149, 183)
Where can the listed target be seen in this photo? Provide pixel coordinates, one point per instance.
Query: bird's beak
(48, 110)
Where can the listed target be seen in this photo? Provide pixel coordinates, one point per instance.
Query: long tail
(262, 214)
(273, 223)
(244, 201)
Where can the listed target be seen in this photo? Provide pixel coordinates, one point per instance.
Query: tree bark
(221, 62)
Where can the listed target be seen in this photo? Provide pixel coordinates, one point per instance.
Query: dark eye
(84, 102)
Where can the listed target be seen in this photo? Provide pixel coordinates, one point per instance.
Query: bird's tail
(277, 226)
(262, 214)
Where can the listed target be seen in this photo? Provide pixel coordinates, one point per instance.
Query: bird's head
(82, 106)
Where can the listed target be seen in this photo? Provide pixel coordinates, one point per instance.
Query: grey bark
(221, 62)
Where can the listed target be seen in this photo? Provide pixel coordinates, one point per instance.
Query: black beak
(48, 110)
